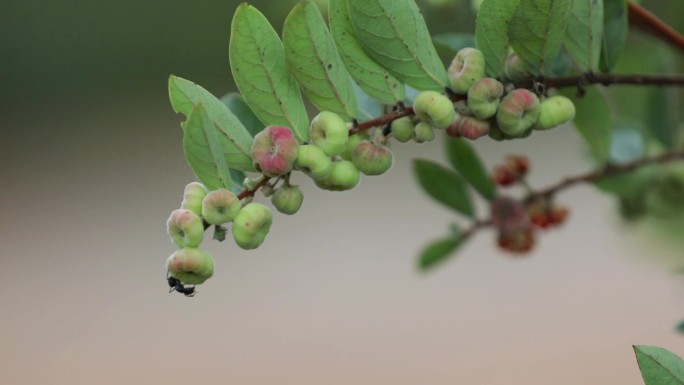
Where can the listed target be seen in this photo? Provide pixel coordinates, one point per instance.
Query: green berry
(251, 225)
(517, 112)
(329, 132)
(353, 141)
(423, 132)
(185, 228)
(372, 159)
(220, 206)
(192, 197)
(288, 199)
(190, 265)
(274, 151)
(434, 108)
(467, 67)
(313, 162)
(344, 176)
(402, 129)
(484, 97)
(555, 111)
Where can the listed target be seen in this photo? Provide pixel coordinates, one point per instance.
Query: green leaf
(662, 118)
(594, 121)
(185, 94)
(448, 44)
(373, 79)
(438, 251)
(369, 108)
(659, 366)
(394, 34)
(238, 177)
(443, 185)
(313, 59)
(465, 160)
(537, 30)
(491, 32)
(584, 35)
(239, 108)
(205, 150)
(680, 327)
(257, 62)
(615, 28)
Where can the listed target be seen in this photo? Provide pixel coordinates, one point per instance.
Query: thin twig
(649, 23)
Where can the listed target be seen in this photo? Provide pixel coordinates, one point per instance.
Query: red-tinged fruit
(484, 97)
(274, 151)
(473, 128)
(371, 158)
(467, 67)
(185, 228)
(518, 112)
(190, 265)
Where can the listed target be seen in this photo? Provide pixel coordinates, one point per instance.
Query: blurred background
(92, 164)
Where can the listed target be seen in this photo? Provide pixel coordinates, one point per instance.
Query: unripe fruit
(555, 111)
(372, 159)
(467, 67)
(313, 162)
(287, 199)
(423, 132)
(220, 206)
(191, 266)
(353, 141)
(274, 151)
(517, 112)
(434, 108)
(402, 129)
(344, 176)
(251, 225)
(185, 228)
(484, 97)
(329, 132)
(472, 128)
(192, 197)
(515, 69)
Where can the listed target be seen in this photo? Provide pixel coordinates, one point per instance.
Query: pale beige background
(331, 298)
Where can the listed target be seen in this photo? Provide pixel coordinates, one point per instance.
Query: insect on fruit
(176, 285)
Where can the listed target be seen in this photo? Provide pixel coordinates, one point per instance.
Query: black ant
(176, 285)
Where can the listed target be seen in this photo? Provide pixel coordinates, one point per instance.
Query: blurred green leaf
(314, 61)
(680, 327)
(662, 118)
(593, 120)
(448, 44)
(394, 34)
(659, 366)
(443, 185)
(185, 94)
(241, 110)
(465, 160)
(438, 251)
(373, 79)
(584, 33)
(258, 65)
(491, 32)
(536, 32)
(615, 28)
(205, 150)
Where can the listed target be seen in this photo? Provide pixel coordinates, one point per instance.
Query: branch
(608, 171)
(606, 80)
(649, 23)
(604, 172)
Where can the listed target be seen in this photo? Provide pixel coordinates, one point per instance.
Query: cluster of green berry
(488, 108)
(333, 159)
